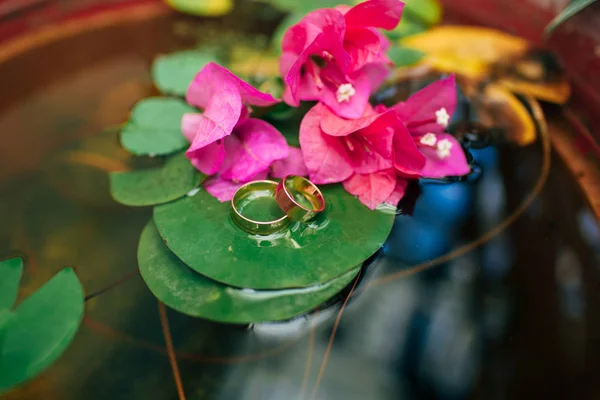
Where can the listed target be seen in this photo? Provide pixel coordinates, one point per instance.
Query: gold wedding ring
(261, 192)
(266, 207)
(299, 198)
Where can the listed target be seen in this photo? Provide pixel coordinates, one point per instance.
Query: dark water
(515, 318)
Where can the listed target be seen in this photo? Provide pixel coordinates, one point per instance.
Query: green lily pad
(5, 318)
(173, 73)
(404, 56)
(200, 231)
(568, 12)
(156, 185)
(10, 276)
(41, 328)
(154, 127)
(188, 292)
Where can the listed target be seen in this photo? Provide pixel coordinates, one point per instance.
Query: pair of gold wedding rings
(296, 197)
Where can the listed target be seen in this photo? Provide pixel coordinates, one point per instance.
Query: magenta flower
(427, 114)
(337, 56)
(224, 140)
(377, 187)
(358, 152)
(224, 189)
(225, 100)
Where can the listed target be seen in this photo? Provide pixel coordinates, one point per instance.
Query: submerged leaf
(172, 73)
(154, 127)
(568, 12)
(10, 276)
(191, 293)
(500, 108)
(465, 50)
(199, 230)
(156, 185)
(207, 8)
(41, 328)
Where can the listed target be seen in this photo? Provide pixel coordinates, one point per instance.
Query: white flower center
(429, 139)
(327, 55)
(443, 148)
(345, 92)
(442, 118)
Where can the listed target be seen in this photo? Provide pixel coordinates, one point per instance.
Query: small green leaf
(156, 185)
(189, 292)
(404, 56)
(568, 12)
(428, 12)
(154, 127)
(42, 327)
(10, 276)
(200, 232)
(407, 27)
(173, 73)
(304, 6)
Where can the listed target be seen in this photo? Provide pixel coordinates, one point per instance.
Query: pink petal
(369, 138)
(292, 165)
(258, 146)
(320, 30)
(408, 160)
(207, 159)
(455, 165)
(208, 85)
(377, 73)
(355, 106)
(325, 156)
(398, 193)
(334, 125)
(190, 123)
(375, 13)
(363, 45)
(418, 112)
(224, 189)
(372, 189)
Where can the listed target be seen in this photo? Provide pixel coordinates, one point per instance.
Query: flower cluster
(335, 57)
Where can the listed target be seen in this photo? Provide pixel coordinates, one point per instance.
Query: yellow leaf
(468, 51)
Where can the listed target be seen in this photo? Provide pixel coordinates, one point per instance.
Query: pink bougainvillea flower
(293, 164)
(336, 148)
(372, 189)
(225, 100)
(224, 189)
(327, 54)
(427, 114)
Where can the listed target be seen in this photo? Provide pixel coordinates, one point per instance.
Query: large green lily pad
(40, 329)
(173, 73)
(189, 292)
(10, 276)
(156, 185)
(154, 127)
(199, 230)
